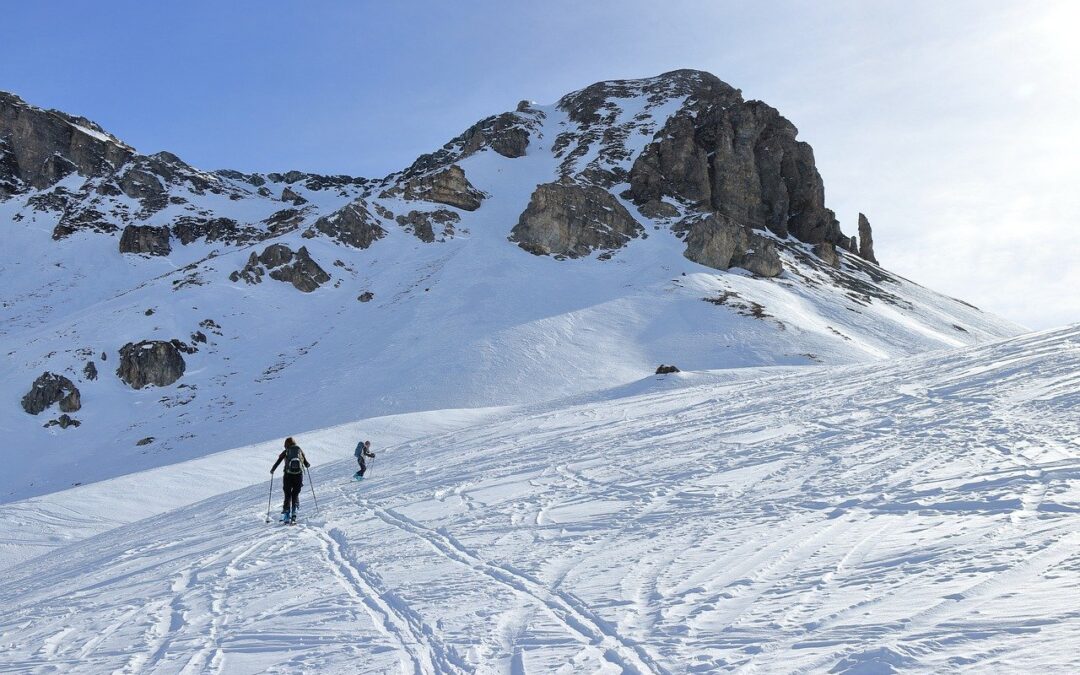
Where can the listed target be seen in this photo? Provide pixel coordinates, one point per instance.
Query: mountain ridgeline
(544, 252)
(717, 167)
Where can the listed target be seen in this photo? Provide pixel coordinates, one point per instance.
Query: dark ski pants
(362, 463)
(291, 483)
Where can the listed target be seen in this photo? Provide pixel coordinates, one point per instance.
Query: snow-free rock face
(189, 229)
(155, 362)
(722, 153)
(290, 195)
(866, 240)
(827, 252)
(83, 179)
(509, 134)
(717, 242)
(51, 388)
(573, 221)
(145, 239)
(43, 146)
(353, 225)
(449, 186)
(283, 264)
(423, 223)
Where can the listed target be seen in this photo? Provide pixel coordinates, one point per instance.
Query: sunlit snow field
(912, 516)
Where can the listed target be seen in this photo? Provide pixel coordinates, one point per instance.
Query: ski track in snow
(917, 516)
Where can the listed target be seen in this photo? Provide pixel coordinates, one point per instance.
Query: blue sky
(954, 126)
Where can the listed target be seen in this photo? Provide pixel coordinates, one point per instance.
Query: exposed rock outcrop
(666, 370)
(721, 153)
(90, 371)
(283, 264)
(715, 241)
(148, 178)
(290, 195)
(64, 421)
(44, 146)
(10, 182)
(80, 216)
(352, 225)
(508, 134)
(192, 228)
(827, 252)
(573, 220)
(866, 240)
(145, 239)
(449, 186)
(657, 209)
(150, 362)
(285, 220)
(300, 271)
(675, 166)
(314, 181)
(422, 223)
(50, 388)
(120, 187)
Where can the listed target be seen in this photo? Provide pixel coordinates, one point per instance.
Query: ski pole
(311, 484)
(372, 469)
(270, 497)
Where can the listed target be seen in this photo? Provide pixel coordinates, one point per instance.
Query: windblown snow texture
(917, 516)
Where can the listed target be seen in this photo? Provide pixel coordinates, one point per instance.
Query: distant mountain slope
(912, 516)
(543, 253)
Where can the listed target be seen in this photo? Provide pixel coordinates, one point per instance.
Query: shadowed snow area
(918, 515)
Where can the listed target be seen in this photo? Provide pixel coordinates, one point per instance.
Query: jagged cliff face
(545, 251)
(675, 146)
(89, 180)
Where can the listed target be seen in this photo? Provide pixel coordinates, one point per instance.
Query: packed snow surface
(917, 515)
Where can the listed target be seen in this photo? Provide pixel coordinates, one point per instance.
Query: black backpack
(293, 463)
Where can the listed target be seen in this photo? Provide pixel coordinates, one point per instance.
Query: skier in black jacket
(363, 450)
(292, 480)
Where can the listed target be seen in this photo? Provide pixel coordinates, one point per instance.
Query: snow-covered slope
(917, 515)
(466, 320)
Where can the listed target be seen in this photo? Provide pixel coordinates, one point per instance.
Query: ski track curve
(417, 640)
(570, 612)
(760, 539)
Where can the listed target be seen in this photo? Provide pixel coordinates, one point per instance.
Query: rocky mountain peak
(580, 238)
(596, 102)
(41, 147)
